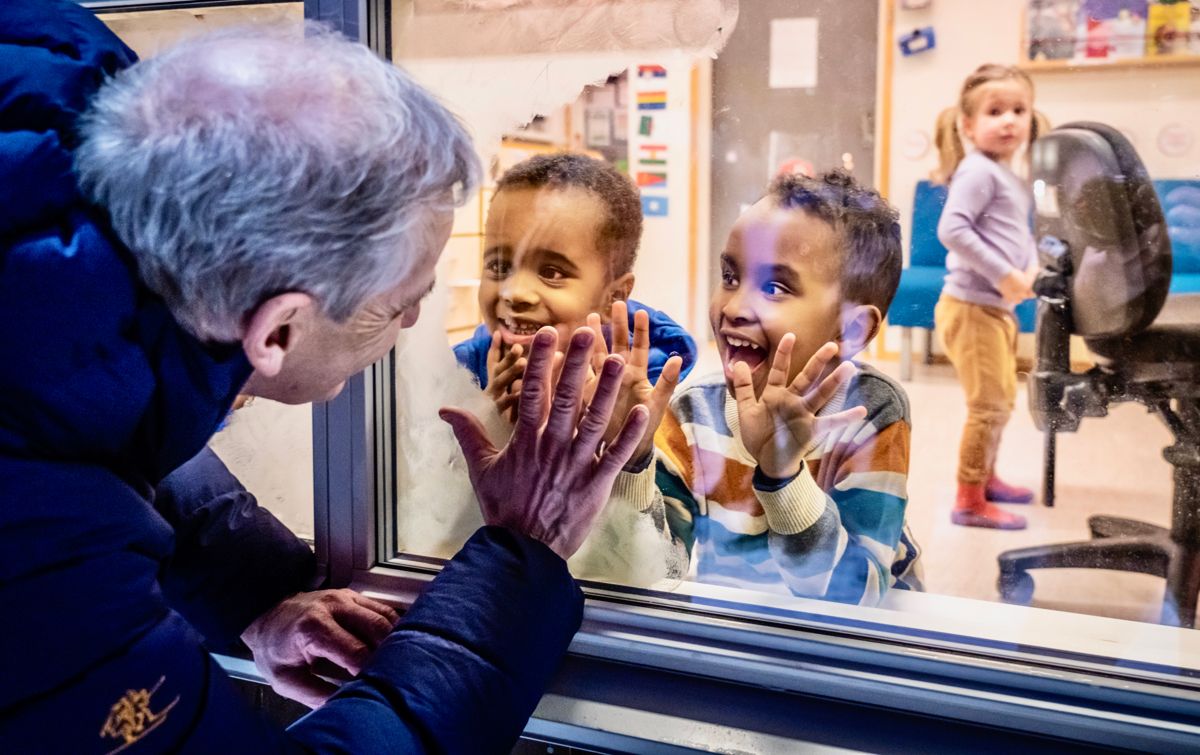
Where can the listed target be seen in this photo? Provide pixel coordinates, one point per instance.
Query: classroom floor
(1113, 465)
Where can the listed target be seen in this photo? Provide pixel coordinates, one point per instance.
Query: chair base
(1120, 544)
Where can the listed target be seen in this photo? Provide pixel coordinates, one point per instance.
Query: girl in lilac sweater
(990, 266)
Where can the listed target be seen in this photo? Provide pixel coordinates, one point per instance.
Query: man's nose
(409, 318)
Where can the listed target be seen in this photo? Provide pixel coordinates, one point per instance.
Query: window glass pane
(908, 516)
(147, 32)
(267, 445)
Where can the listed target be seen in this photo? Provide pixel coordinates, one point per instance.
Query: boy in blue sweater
(561, 238)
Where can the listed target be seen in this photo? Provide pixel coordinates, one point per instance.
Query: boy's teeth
(739, 343)
(521, 329)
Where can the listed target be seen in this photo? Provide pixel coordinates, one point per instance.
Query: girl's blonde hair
(946, 132)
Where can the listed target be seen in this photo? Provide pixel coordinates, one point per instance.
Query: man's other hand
(315, 634)
(556, 473)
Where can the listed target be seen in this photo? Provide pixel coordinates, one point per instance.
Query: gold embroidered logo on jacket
(130, 718)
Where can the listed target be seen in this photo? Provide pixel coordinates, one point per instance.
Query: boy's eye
(728, 278)
(774, 288)
(553, 273)
(497, 268)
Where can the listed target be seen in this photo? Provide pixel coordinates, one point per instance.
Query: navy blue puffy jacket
(102, 395)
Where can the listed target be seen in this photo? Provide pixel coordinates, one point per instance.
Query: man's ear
(860, 324)
(621, 288)
(274, 328)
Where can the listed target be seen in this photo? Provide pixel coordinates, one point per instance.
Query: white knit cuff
(636, 487)
(796, 506)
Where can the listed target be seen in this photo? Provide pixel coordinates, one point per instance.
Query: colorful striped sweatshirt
(835, 531)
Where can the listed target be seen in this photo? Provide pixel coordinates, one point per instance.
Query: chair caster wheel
(1016, 587)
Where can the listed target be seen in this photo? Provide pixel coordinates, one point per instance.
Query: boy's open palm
(504, 377)
(636, 388)
(777, 426)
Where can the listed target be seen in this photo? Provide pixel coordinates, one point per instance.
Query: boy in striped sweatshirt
(787, 471)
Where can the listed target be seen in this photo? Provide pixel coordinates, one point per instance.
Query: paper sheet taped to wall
(793, 53)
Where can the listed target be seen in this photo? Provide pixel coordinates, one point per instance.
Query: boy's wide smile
(738, 346)
(514, 330)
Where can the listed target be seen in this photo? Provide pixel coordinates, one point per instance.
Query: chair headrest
(1093, 193)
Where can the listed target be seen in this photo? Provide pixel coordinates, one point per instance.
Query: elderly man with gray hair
(256, 212)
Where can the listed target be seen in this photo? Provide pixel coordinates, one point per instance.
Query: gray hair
(253, 161)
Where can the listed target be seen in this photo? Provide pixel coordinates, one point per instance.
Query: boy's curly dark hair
(867, 227)
(621, 231)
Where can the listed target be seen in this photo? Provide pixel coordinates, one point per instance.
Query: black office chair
(1106, 268)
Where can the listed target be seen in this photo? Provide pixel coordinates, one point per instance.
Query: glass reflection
(742, 238)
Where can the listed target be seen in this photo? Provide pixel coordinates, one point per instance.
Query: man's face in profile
(329, 353)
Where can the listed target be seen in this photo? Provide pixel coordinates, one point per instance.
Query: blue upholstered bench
(1180, 199)
(921, 281)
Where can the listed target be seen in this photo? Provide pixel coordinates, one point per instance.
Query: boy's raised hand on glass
(556, 473)
(504, 377)
(778, 425)
(636, 388)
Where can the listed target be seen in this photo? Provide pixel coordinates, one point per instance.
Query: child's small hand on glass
(504, 377)
(636, 388)
(777, 426)
(1016, 287)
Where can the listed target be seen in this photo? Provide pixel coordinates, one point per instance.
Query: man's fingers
(826, 389)
(535, 387)
(514, 406)
(555, 374)
(782, 361)
(334, 643)
(812, 370)
(620, 451)
(383, 609)
(471, 436)
(599, 411)
(303, 686)
(364, 623)
(640, 356)
(568, 392)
